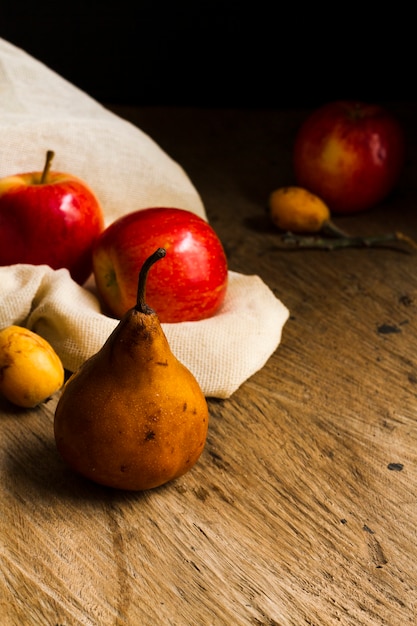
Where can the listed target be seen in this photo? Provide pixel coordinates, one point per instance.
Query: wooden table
(303, 506)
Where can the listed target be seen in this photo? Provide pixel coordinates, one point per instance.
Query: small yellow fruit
(30, 369)
(297, 210)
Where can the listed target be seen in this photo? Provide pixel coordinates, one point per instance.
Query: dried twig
(324, 243)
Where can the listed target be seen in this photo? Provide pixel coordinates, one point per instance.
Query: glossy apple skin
(54, 223)
(350, 154)
(189, 284)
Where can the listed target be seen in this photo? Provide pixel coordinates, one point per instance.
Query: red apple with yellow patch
(50, 218)
(350, 154)
(189, 285)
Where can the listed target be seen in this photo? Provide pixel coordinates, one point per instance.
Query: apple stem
(49, 157)
(300, 241)
(141, 305)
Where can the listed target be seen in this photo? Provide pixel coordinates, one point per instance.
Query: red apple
(189, 285)
(350, 154)
(49, 218)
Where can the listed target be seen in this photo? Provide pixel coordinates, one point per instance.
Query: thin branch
(290, 240)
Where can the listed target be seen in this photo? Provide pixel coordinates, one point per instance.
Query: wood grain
(302, 508)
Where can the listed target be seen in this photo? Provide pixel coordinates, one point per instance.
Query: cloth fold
(127, 170)
(221, 351)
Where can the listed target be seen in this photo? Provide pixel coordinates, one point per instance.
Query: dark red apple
(49, 218)
(350, 154)
(189, 285)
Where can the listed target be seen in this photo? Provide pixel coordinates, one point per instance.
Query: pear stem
(329, 228)
(49, 157)
(141, 305)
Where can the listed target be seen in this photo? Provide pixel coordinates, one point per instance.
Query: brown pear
(133, 416)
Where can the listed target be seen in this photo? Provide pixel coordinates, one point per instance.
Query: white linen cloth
(127, 170)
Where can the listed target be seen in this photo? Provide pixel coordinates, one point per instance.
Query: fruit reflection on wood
(132, 417)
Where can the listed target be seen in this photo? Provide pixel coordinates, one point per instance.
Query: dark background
(221, 54)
